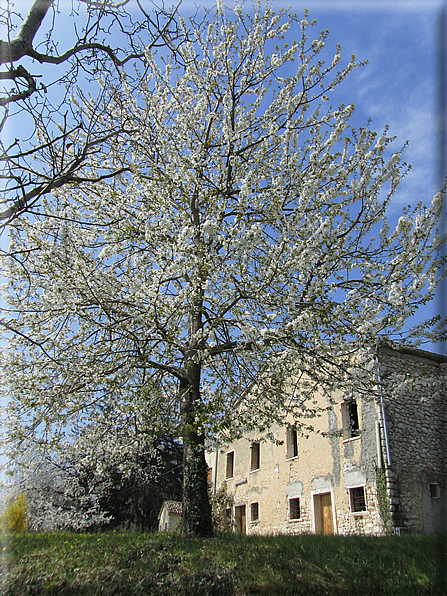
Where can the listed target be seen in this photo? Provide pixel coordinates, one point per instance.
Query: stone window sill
(360, 513)
(352, 439)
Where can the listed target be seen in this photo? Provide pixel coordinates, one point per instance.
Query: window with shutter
(230, 465)
(292, 442)
(350, 419)
(255, 460)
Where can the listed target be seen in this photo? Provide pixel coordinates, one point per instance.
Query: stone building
(169, 516)
(376, 465)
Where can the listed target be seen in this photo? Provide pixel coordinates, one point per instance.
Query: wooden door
(240, 518)
(326, 513)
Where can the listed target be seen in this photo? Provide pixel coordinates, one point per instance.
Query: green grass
(127, 564)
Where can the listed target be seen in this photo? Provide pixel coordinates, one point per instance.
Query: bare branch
(89, 56)
(19, 72)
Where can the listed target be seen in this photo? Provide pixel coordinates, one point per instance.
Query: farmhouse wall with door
(371, 465)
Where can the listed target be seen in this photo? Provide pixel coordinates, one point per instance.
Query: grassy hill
(126, 564)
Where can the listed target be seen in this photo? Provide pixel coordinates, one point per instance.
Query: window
(255, 451)
(230, 465)
(292, 442)
(350, 419)
(358, 501)
(435, 491)
(294, 508)
(228, 514)
(254, 512)
(209, 475)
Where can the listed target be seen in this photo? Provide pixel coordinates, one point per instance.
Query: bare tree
(44, 75)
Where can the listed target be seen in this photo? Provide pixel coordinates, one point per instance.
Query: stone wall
(414, 394)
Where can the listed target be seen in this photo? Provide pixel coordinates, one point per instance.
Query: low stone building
(371, 466)
(169, 516)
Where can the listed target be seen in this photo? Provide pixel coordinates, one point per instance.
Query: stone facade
(415, 398)
(373, 465)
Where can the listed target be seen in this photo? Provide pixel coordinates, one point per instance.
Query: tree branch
(19, 72)
(22, 44)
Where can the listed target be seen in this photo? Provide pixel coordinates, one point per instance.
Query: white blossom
(237, 244)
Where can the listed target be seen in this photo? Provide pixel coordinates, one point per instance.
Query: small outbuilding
(169, 516)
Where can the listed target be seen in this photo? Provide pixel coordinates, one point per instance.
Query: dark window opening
(255, 452)
(350, 419)
(230, 465)
(292, 442)
(358, 501)
(294, 508)
(254, 511)
(435, 491)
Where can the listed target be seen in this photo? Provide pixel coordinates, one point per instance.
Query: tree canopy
(89, 484)
(43, 61)
(243, 243)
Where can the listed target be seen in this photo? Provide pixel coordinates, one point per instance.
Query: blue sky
(399, 86)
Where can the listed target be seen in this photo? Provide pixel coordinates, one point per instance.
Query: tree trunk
(197, 520)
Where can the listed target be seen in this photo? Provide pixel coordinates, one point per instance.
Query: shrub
(222, 504)
(382, 497)
(14, 517)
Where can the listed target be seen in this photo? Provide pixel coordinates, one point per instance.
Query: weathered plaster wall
(414, 395)
(325, 464)
(168, 521)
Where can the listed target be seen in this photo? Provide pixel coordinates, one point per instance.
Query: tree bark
(197, 519)
(22, 44)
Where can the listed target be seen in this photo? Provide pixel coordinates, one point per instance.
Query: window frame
(350, 419)
(291, 442)
(230, 457)
(254, 508)
(435, 490)
(295, 500)
(355, 498)
(255, 456)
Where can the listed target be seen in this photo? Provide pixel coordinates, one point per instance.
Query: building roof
(411, 351)
(174, 507)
